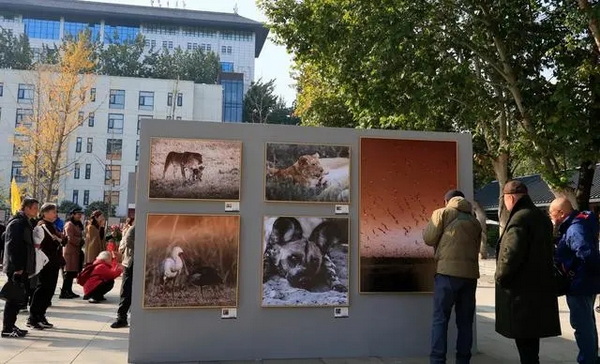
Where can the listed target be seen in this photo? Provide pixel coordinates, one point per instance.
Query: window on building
(146, 42)
(170, 44)
(137, 150)
(179, 99)
(90, 145)
(226, 66)
(42, 29)
(189, 46)
(161, 29)
(86, 197)
(233, 100)
(229, 49)
(114, 149)
(25, 93)
(73, 29)
(93, 94)
(78, 145)
(91, 119)
(236, 35)
(146, 100)
(1, 89)
(209, 47)
(120, 34)
(20, 142)
(112, 197)
(115, 123)
(153, 43)
(88, 171)
(24, 118)
(117, 99)
(112, 175)
(170, 99)
(76, 171)
(165, 44)
(223, 49)
(17, 172)
(140, 118)
(80, 118)
(75, 198)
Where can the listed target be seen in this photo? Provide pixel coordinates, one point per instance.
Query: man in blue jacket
(578, 256)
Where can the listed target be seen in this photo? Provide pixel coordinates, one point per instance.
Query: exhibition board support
(364, 322)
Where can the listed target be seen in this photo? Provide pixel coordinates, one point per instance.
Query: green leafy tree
(15, 52)
(123, 59)
(102, 206)
(283, 114)
(66, 205)
(259, 102)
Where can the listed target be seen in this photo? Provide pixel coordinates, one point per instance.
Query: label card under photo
(340, 312)
(229, 313)
(342, 209)
(232, 206)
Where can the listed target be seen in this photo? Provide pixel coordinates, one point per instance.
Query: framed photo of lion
(195, 169)
(305, 261)
(317, 173)
(191, 261)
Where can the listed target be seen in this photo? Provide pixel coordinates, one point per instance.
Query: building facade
(105, 148)
(235, 39)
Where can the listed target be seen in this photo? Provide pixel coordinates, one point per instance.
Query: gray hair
(47, 207)
(104, 256)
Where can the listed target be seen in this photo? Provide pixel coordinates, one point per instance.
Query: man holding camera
(19, 261)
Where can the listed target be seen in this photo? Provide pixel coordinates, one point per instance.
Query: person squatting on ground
(526, 302)
(577, 255)
(94, 236)
(72, 252)
(99, 278)
(19, 260)
(126, 250)
(455, 235)
(46, 238)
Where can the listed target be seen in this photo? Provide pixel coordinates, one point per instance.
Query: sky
(274, 61)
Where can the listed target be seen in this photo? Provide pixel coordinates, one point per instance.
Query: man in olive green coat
(526, 303)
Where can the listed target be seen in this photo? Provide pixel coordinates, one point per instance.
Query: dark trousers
(42, 296)
(529, 350)
(458, 293)
(68, 278)
(125, 302)
(102, 289)
(583, 321)
(11, 310)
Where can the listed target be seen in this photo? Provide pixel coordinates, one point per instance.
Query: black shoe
(45, 324)
(93, 300)
(14, 333)
(65, 295)
(74, 295)
(119, 324)
(34, 325)
(24, 332)
(101, 299)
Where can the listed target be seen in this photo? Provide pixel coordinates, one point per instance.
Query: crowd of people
(38, 245)
(539, 257)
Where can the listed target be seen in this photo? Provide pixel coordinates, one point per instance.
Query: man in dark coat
(577, 255)
(19, 260)
(526, 302)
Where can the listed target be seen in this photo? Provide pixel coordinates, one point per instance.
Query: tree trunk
(593, 23)
(584, 186)
(481, 217)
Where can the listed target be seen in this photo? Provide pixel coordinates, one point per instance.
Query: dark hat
(514, 187)
(453, 193)
(76, 210)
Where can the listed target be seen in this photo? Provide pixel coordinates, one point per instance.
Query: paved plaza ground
(82, 334)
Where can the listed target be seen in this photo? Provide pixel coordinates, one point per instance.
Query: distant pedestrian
(526, 302)
(99, 277)
(126, 249)
(577, 255)
(455, 235)
(94, 236)
(2, 235)
(72, 252)
(47, 239)
(19, 261)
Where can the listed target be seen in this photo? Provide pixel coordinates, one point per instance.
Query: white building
(106, 148)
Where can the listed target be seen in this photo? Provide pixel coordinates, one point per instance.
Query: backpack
(85, 274)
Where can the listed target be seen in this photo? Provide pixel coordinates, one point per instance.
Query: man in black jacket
(19, 260)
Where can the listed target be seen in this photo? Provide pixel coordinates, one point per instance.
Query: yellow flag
(15, 197)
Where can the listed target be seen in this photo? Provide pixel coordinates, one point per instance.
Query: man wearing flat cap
(455, 235)
(526, 302)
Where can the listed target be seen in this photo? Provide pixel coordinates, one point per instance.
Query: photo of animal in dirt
(195, 169)
(191, 261)
(307, 173)
(305, 261)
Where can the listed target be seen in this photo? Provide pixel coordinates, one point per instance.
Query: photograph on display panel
(401, 183)
(191, 261)
(305, 261)
(195, 169)
(307, 173)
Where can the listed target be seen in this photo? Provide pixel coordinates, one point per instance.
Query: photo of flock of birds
(191, 261)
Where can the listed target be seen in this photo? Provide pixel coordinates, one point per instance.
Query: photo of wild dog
(305, 261)
(195, 169)
(307, 173)
(191, 261)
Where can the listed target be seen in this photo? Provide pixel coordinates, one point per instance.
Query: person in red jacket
(99, 278)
